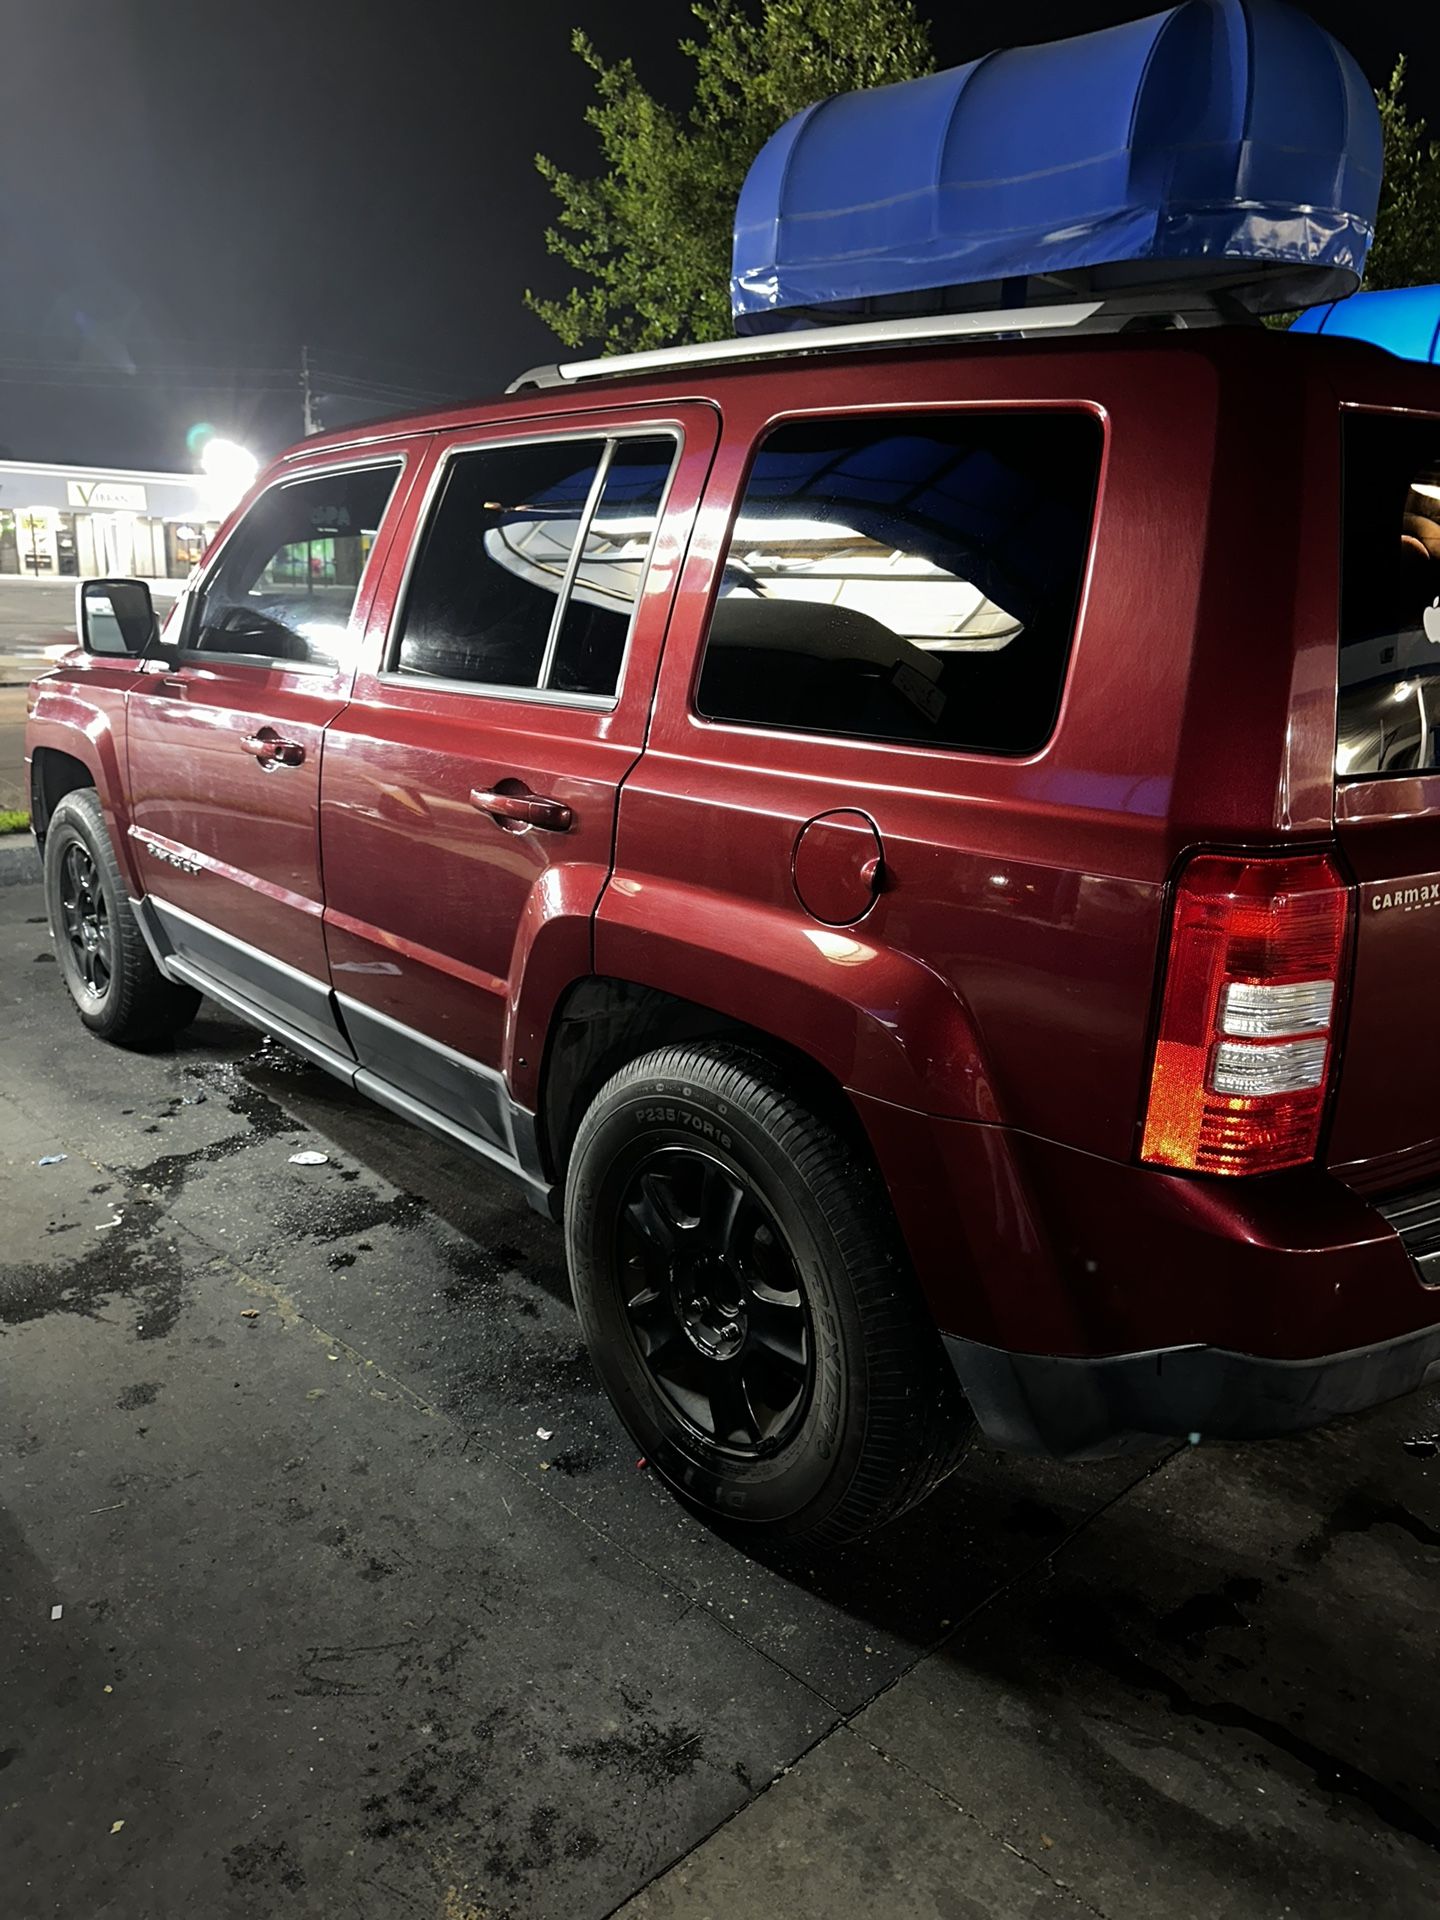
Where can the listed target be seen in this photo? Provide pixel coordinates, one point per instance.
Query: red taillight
(1242, 1059)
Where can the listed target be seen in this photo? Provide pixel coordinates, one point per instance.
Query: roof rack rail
(1089, 316)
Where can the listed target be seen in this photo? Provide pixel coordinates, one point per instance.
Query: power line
(208, 380)
(339, 365)
(134, 382)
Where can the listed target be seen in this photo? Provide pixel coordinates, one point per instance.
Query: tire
(728, 1248)
(117, 988)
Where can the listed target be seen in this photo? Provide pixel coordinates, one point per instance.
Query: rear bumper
(1074, 1408)
(1031, 1247)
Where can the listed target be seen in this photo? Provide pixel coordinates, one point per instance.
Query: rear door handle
(524, 809)
(271, 751)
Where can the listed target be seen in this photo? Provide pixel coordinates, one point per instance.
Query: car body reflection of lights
(840, 947)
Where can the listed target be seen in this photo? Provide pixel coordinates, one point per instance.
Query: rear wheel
(120, 992)
(747, 1303)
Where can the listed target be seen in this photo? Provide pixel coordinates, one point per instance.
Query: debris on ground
(250, 1313)
(56, 1612)
(1423, 1446)
(104, 1226)
(544, 1433)
(116, 1825)
(51, 1159)
(309, 1158)
(642, 1462)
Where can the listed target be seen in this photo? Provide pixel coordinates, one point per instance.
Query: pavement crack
(290, 1314)
(1047, 1558)
(957, 1806)
(844, 1723)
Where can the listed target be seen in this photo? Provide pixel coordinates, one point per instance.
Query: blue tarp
(1226, 140)
(1403, 320)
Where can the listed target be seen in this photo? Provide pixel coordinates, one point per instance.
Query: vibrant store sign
(112, 495)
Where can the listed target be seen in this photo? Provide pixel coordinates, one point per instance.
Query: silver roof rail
(1166, 307)
(911, 331)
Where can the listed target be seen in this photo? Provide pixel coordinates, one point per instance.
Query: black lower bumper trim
(1077, 1408)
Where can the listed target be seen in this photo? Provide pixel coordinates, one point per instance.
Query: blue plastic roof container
(1403, 320)
(1229, 145)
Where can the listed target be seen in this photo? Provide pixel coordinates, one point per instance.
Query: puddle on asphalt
(134, 1260)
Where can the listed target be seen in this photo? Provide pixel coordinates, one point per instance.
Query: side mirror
(115, 617)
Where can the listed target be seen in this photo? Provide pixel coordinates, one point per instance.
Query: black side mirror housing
(115, 618)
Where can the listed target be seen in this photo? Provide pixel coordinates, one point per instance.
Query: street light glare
(229, 467)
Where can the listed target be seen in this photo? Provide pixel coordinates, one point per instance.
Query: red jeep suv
(923, 853)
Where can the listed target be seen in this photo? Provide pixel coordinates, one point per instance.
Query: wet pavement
(339, 1633)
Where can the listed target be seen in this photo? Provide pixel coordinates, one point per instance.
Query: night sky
(191, 189)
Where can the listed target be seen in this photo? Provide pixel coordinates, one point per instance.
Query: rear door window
(906, 578)
(532, 563)
(1389, 695)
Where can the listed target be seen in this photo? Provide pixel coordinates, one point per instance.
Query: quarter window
(532, 563)
(909, 579)
(1389, 691)
(286, 582)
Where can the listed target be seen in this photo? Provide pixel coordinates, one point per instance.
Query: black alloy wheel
(747, 1301)
(715, 1301)
(111, 975)
(86, 919)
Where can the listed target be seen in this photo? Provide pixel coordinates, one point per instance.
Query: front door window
(289, 574)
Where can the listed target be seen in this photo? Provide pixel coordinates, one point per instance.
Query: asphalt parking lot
(37, 617)
(301, 1613)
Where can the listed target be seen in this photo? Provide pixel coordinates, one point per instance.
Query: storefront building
(62, 520)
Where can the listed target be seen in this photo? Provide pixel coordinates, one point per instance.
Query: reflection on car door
(470, 787)
(225, 747)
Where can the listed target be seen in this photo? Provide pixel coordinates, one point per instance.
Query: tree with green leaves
(651, 232)
(1406, 252)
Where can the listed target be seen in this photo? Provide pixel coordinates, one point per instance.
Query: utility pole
(307, 397)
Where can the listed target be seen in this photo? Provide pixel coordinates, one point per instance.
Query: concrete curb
(19, 862)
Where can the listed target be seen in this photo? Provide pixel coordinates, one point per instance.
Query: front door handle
(524, 809)
(271, 751)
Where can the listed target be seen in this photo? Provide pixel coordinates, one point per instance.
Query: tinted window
(494, 560)
(289, 574)
(607, 583)
(911, 579)
(499, 595)
(1389, 704)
